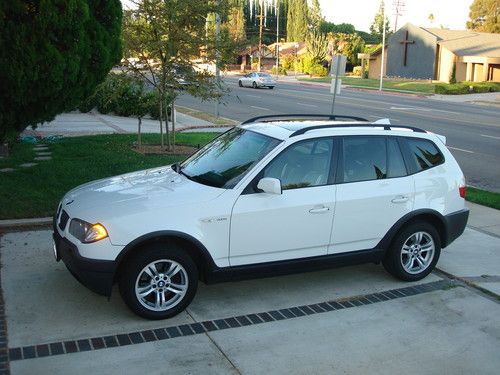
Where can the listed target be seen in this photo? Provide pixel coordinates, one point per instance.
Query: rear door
(373, 192)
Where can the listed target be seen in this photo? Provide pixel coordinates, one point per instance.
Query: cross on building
(406, 42)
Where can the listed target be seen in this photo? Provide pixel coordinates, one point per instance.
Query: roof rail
(386, 127)
(302, 115)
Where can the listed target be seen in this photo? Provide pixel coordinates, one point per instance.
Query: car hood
(130, 193)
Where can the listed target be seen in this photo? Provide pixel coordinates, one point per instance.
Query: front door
(295, 224)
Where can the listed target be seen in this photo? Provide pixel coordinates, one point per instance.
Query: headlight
(87, 232)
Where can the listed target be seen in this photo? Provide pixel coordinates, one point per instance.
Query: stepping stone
(27, 165)
(40, 146)
(7, 169)
(43, 158)
(43, 153)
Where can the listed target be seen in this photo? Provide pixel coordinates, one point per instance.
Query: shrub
(480, 87)
(357, 71)
(124, 96)
(287, 62)
(318, 70)
(255, 66)
(282, 70)
(451, 88)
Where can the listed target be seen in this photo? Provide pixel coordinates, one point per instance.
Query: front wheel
(158, 282)
(414, 252)
(254, 85)
(271, 87)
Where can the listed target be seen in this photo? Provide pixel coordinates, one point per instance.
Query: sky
(452, 14)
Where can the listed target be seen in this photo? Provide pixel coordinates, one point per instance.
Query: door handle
(400, 199)
(319, 210)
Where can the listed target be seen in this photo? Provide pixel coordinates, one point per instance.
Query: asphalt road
(472, 131)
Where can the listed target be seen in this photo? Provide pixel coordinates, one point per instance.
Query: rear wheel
(414, 252)
(240, 84)
(159, 281)
(271, 87)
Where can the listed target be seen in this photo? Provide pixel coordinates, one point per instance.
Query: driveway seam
(159, 334)
(217, 346)
(4, 351)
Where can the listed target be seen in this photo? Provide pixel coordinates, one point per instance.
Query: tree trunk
(161, 125)
(173, 124)
(139, 140)
(167, 131)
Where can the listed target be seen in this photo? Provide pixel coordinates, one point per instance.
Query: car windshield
(265, 75)
(223, 162)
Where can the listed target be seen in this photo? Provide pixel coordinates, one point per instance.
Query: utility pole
(217, 57)
(399, 6)
(261, 17)
(383, 51)
(277, 38)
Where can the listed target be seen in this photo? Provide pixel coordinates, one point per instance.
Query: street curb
(17, 224)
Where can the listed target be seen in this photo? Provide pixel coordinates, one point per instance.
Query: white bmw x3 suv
(264, 198)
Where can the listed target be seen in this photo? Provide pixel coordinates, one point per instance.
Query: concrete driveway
(347, 320)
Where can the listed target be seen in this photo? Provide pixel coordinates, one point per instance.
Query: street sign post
(337, 69)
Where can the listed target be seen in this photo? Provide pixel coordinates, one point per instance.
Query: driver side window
(304, 164)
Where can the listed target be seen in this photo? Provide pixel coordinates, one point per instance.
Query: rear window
(424, 154)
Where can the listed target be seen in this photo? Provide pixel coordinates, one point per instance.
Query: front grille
(63, 220)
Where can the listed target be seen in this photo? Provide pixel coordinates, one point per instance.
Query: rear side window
(423, 154)
(365, 158)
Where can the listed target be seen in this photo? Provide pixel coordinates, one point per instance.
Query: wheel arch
(195, 249)
(431, 216)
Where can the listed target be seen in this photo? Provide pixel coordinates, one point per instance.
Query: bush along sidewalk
(466, 88)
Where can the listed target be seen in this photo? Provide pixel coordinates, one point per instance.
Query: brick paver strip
(197, 328)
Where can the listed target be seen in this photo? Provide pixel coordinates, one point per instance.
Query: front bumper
(97, 275)
(455, 225)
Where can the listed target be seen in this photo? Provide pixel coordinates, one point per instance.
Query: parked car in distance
(257, 80)
(265, 198)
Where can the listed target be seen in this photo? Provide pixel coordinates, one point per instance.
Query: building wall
(445, 65)
(461, 72)
(478, 73)
(496, 72)
(421, 55)
(374, 66)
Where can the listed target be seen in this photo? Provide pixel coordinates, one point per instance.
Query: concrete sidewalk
(76, 124)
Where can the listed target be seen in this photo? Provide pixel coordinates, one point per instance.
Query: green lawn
(483, 197)
(419, 87)
(35, 191)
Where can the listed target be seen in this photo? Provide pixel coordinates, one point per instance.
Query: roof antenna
(382, 121)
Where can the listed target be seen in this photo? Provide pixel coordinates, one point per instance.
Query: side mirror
(270, 185)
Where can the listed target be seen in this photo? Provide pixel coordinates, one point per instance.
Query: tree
(330, 27)
(485, 16)
(235, 23)
(297, 21)
(315, 16)
(377, 26)
(316, 45)
(54, 54)
(165, 36)
(346, 44)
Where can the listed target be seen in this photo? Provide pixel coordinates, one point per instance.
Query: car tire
(414, 252)
(254, 85)
(240, 84)
(271, 87)
(167, 277)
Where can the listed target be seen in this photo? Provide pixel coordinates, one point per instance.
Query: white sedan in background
(257, 80)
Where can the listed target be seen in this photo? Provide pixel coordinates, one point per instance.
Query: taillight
(461, 190)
